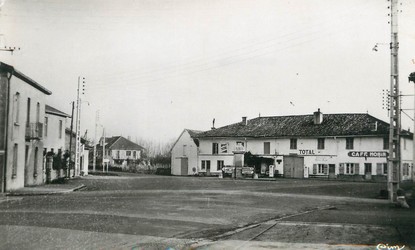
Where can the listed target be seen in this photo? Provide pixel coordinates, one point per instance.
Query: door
(368, 171)
(208, 168)
(184, 166)
(293, 167)
(332, 171)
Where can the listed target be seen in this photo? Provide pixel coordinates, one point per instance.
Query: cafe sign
(374, 154)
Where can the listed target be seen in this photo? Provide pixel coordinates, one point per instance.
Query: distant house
(119, 151)
(349, 146)
(184, 154)
(22, 109)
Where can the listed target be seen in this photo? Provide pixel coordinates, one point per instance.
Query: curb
(35, 192)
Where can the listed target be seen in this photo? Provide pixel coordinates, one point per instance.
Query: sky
(156, 67)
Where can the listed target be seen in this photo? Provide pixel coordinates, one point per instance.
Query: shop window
(293, 143)
(351, 168)
(320, 143)
(320, 169)
(349, 143)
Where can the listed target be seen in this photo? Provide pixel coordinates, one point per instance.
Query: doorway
(368, 171)
(332, 171)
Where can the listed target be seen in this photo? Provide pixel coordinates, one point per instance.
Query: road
(157, 212)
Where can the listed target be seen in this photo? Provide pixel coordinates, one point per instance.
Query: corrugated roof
(303, 126)
(23, 77)
(52, 110)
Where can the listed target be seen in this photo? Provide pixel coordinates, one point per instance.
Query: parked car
(248, 171)
(228, 170)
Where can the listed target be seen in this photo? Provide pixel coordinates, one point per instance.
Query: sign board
(106, 160)
(374, 154)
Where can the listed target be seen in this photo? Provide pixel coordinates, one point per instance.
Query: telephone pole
(395, 109)
(95, 140)
(78, 126)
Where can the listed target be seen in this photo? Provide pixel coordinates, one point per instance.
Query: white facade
(184, 153)
(366, 155)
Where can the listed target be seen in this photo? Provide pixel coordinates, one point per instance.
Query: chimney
(318, 117)
(244, 121)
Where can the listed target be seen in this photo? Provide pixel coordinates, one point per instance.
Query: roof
(303, 126)
(119, 142)
(53, 111)
(193, 133)
(23, 77)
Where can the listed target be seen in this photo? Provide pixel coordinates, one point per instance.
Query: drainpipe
(3, 187)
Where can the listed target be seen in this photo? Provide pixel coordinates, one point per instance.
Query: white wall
(184, 147)
(17, 132)
(51, 138)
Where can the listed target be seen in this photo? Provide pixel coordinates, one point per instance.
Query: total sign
(367, 154)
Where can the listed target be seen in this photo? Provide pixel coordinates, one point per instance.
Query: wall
(184, 147)
(25, 175)
(334, 152)
(51, 136)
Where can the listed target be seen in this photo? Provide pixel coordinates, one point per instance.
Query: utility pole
(103, 150)
(78, 126)
(70, 143)
(411, 78)
(95, 141)
(395, 110)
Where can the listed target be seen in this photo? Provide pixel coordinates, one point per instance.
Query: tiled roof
(119, 142)
(303, 126)
(52, 110)
(193, 133)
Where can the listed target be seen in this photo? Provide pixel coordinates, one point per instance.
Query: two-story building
(22, 110)
(184, 154)
(119, 151)
(337, 146)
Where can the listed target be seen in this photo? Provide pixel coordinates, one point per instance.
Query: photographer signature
(386, 246)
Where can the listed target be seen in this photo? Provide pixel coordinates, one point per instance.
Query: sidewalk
(46, 189)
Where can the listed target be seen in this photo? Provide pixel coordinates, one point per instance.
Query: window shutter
(326, 169)
(379, 168)
(356, 168)
(314, 168)
(341, 168)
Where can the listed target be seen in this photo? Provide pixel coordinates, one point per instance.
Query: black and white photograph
(207, 124)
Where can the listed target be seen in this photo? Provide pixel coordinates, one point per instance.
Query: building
(120, 151)
(22, 110)
(184, 154)
(54, 142)
(84, 153)
(337, 146)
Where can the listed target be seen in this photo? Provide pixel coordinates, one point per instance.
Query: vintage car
(228, 170)
(248, 171)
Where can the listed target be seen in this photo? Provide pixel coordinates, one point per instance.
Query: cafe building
(350, 146)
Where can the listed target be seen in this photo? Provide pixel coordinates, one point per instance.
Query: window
(349, 143)
(38, 112)
(184, 150)
(293, 143)
(267, 148)
(135, 154)
(385, 168)
(128, 153)
(26, 154)
(240, 146)
(36, 161)
(220, 165)
(215, 148)
(224, 148)
(385, 143)
(320, 143)
(14, 169)
(405, 169)
(351, 168)
(16, 107)
(60, 129)
(28, 111)
(321, 169)
(368, 168)
(205, 165)
(118, 154)
(46, 126)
